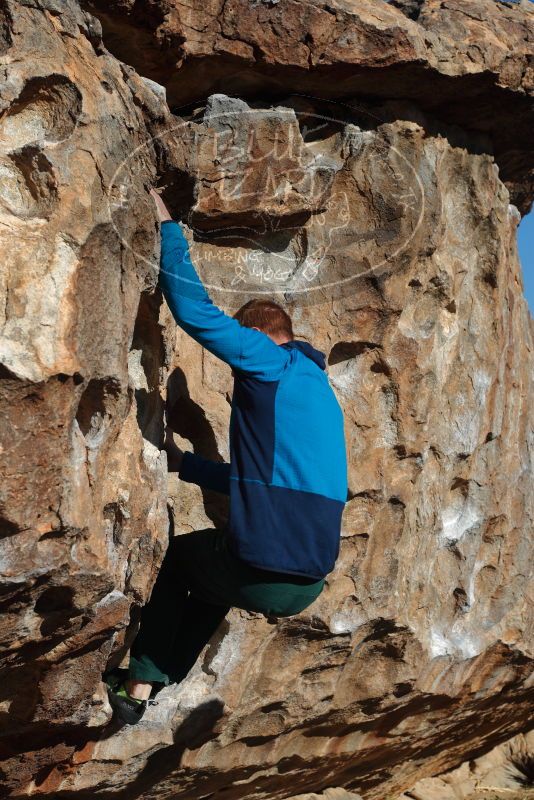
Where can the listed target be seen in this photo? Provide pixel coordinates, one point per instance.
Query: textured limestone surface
(468, 62)
(83, 496)
(504, 772)
(384, 217)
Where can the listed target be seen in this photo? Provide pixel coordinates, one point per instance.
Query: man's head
(266, 316)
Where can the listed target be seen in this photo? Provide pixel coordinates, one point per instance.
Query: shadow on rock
(188, 419)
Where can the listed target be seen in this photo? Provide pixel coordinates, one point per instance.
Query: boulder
(383, 214)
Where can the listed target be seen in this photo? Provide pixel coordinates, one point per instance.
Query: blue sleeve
(245, 349)
(208, 474)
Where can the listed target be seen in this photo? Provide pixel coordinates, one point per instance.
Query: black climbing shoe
(127, 709)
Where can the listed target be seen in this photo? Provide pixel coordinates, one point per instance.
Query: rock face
(383, 213)
(83, 499)
(461, 60)
(504, 772)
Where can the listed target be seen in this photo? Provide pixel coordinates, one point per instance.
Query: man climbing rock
(287, 482)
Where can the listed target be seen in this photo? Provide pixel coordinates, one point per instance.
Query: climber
(287, 483)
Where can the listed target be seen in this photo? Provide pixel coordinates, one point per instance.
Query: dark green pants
(199, 581)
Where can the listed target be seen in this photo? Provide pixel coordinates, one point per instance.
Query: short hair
(266, 315)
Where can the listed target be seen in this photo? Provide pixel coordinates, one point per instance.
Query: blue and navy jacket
(287, 476)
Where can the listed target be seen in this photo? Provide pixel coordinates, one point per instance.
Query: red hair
(266, 315)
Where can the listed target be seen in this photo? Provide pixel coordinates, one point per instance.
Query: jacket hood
(308, 351)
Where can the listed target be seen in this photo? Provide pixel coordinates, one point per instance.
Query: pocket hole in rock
(47, 109)
(56, 606)
(95, 407)
(55, 598)
(179, 191)
(410, 8)
(343, 351)
(490, 278)
(380, 367)
(314, 128)
(460, 600)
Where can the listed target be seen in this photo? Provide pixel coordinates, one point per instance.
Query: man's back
(288, 472)
(287, 476)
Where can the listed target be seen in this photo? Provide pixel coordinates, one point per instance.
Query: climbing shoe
(127, 709)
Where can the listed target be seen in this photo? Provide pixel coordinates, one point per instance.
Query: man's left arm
(193, 468)
(208, 474)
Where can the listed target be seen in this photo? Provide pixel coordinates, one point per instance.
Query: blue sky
(525, 238)
(526, 254)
